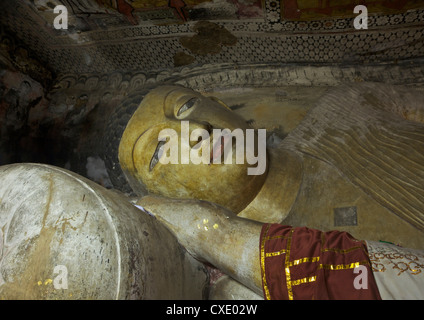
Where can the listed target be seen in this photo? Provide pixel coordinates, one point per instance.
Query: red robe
(302, 264)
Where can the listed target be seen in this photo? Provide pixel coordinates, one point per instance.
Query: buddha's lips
(218, 148)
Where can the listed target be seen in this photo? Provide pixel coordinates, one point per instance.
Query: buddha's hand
(196, 224)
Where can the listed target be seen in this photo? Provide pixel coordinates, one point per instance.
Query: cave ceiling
(105, 36)
(61, 85)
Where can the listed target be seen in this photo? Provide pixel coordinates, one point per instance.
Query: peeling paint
(209, 38)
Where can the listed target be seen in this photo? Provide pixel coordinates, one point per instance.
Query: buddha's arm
(213, 234)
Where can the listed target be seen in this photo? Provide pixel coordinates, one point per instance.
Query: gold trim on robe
(303, 263)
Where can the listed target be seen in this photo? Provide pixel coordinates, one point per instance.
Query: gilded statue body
(276, 235)
(359, 149)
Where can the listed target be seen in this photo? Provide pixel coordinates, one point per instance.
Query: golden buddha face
(185, 113)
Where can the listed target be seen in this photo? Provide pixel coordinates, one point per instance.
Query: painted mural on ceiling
(303, 10)
(203, 9)
(102, 39)
(99, 13)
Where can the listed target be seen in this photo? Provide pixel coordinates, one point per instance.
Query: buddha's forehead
(168, 95)
(178, 94)
(159, 103)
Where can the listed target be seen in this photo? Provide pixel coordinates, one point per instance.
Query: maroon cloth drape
(302, 263)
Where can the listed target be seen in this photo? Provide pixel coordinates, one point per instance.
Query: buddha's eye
(186, 106)
(157, 155)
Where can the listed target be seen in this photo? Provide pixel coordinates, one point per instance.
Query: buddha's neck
(279, 191)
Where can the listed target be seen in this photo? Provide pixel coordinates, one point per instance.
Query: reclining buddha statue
(354, 164)
(359, 151)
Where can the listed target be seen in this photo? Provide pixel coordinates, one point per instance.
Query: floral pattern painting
(184, 10)
(302, 10)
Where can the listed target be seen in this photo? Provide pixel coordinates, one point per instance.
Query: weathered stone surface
(51, 217)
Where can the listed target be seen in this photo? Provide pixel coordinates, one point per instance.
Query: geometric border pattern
(151, 48)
